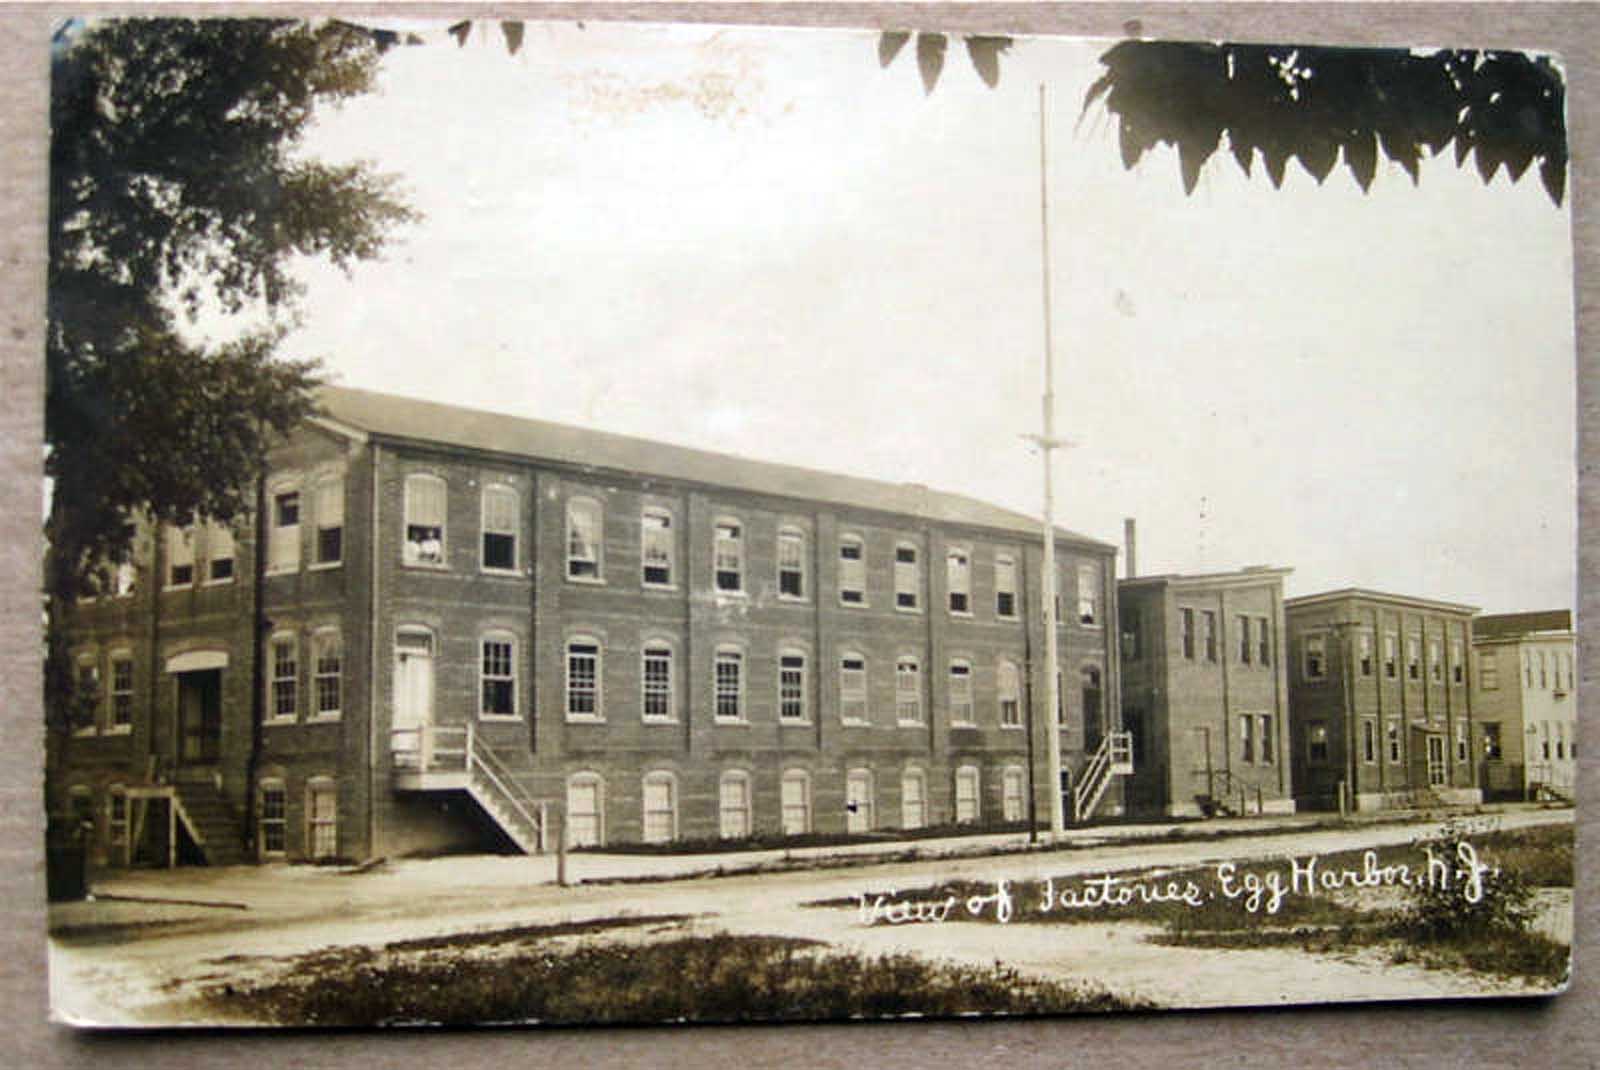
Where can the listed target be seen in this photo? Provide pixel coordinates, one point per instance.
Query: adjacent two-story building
(1527, 705)
(1381, 700)
(462, 629)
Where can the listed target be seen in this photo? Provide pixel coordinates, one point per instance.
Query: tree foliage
(177, 182)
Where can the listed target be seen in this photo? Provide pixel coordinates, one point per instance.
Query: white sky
(758, 241)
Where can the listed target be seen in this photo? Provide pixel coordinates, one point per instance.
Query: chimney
(1130, 539)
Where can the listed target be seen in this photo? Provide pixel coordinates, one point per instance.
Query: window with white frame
(1316, 742)
(219, 553)
(961, 692)
(502, 524)
(585, 533)
(908, 690)
(1544, 680)
(1089, 595)
(1263, 642)
(791, 563)
(583, 679)
(86, 696)
(1186, 631)
(853, 688)
(733, 805)
(660, 806)
(852, 571)
(1435, 661)
(1314, 656)
(327, 674)
(180, 557)
(425, 508)
(272, 823)
(1369, 741)
(958, 580)
(322, 819)
(1008, 693)
(1208, 633)
(1488, 671)
(1461, 741)
(585, 824)
(967, 805)
(656, 547)
(283, 538)
(1413, 657)
(1089, 677)
(1391, 646)
(1364, 653)
(121, 692)
(727, 556)
(328, 506)
(284, 686)
(791, 685)
(657, 677)
(1392, 741)
(858, 801)
(1005, 586)
(497, 677)
(1247, 740)
(795, 801)
(1245, 649)
(913, 799)
(729, 679)
(1267, 751)
(1458, 664)
(1013, 801)
(907, 577)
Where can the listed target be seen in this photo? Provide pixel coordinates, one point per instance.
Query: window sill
(85, 733)
(664, 588)
(282, 570)
(588, 581)
(323, 566)
(273, 722)
(963, 724)
(1010, 728)
(425, 566)
(915, 611)
(120, 730)
(500, 718)
(659, 720)
(793, 722)
(168, 588)
(579, 718)
(732, 722)
(794, 599)
(856, 724)
(218, 583)
(1007, 617)
(722, 592)
(966, 614)
(911, 724)
(325, 718)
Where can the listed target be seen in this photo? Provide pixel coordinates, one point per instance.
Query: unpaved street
(124, 961)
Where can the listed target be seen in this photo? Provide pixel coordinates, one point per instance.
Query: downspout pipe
(258, 633)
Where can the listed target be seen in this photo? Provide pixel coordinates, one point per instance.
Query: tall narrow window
(733, 805)
(86, 697)
(322, 819)
(967, 806)
(1369, 741)
(1461, 741)
(907, 581)
(1435, 662)
(425, 520)
(327, 670)
(586, 810)
(1315, 661)
(657, 697)
(1244, 639)
(285, 682)
(727, 555)
(1092, 694)
(858, 801)
(1491, 741)
(792, 686)
(498, 677)
(1089, 595)
(1005, 586)
(908, 691)
(1208, 632)
(791, 564)
(656, 547)
(1186, 626)
(852, 571)
(853, 689)
(117, 823)
(180, 557)
(1392, 740)
(1488, 671)
(583, 679)
(960, 693)
(1413, 657)
(330, 520)
(1543, 679)
(1458, 664)
(958, 572)
(913, 799)
(1263, 642)
(1132, 633)
(1390, 656)
(1012, 795)
(121, 692)
(795, 798)
(1267, 750)
(730, 685)
(1247, 739)
(283, 540)
(1316, 742)
(272, 822)
(660, 804)
(1364, 652)
(219, 553)
(584, 535)
(1009, 693)
(501, 509)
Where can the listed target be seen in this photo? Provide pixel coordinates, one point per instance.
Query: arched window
(656, 547)
(727, 555)
(791, 685)
(180, 557)
(733, 795)
(791, 563)
(283, 688)
(586, 810)
(660, 807)
(961, 692)
(425, 509)
(967, 806)
(121, 691)
(1008, 690)
(497, 675)
(117, 824)
(907, 577)
(328, 515)
(913, 799)
(585, 539)
(272, 819)
(796, 802)
(1005, 586)
(1090, 675)
(729, 681)
(327, 664)
(908, 690)
(502, 524)
(322, 818)
(853, 688)
(958, 579)
(656, 675)
(852, 571)
(1013, 799)
(858, 799)
(583, 679)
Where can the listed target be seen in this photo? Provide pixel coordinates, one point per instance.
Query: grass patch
(1528, 955)
(719, 978)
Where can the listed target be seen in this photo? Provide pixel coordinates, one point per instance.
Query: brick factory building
(1527, 706)
(1381, 701)
(472, 624)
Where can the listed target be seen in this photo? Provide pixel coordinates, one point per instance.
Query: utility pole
(1048, 443)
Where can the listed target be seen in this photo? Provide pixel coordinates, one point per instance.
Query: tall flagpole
(1047, 445)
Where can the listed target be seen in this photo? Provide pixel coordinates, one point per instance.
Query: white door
(796, 804)
(913, 801)
(858, 802)
(966, 795)
(583, 813)
(735, 802)
(659, 817)
(413, 694)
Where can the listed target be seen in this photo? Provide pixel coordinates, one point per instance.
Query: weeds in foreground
(695, 978)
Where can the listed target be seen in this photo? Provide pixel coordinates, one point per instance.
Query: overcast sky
(758, 241)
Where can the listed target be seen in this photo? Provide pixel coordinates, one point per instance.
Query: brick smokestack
(1130, 540)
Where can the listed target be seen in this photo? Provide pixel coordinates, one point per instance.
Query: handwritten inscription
(1258, 890)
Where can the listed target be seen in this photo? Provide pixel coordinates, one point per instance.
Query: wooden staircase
(209, 821)
(1114, 758)
(456, 758)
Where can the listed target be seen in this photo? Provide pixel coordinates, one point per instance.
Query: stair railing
(484, 763)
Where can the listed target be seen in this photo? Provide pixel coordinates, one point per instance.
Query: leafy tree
(176, 183)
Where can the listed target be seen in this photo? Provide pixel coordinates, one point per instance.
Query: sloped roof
(1511, 625)
(392, 416)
